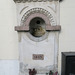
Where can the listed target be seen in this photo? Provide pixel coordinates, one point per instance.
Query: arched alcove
(37, 27)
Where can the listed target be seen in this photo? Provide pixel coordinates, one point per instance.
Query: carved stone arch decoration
(49, 24)
(46, 15)
(41, 15)
(27, 22)
(37, 24)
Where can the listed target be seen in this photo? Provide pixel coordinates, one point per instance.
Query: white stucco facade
(9, 37)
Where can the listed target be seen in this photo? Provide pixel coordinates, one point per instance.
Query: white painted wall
(9, 67)
(9, 38)
(67, 34)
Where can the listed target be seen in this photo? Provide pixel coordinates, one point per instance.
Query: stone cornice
(23, 1)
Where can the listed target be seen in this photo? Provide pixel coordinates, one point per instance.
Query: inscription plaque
(38, 57)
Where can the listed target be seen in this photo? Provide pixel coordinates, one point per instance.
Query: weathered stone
(37, 24)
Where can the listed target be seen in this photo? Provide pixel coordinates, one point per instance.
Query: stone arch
(27, 22)
(37, 12)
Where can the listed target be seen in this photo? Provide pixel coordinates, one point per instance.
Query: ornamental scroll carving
(23, 1)
(38, 10)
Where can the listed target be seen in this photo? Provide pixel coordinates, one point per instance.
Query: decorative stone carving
(38, 10)
(49, 22)
(23, 1)
(48, 28)
(45, 44)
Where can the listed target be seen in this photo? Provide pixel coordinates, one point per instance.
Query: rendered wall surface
(67, 21)
(9, 38)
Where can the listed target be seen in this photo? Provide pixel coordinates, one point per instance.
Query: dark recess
(60, 0)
